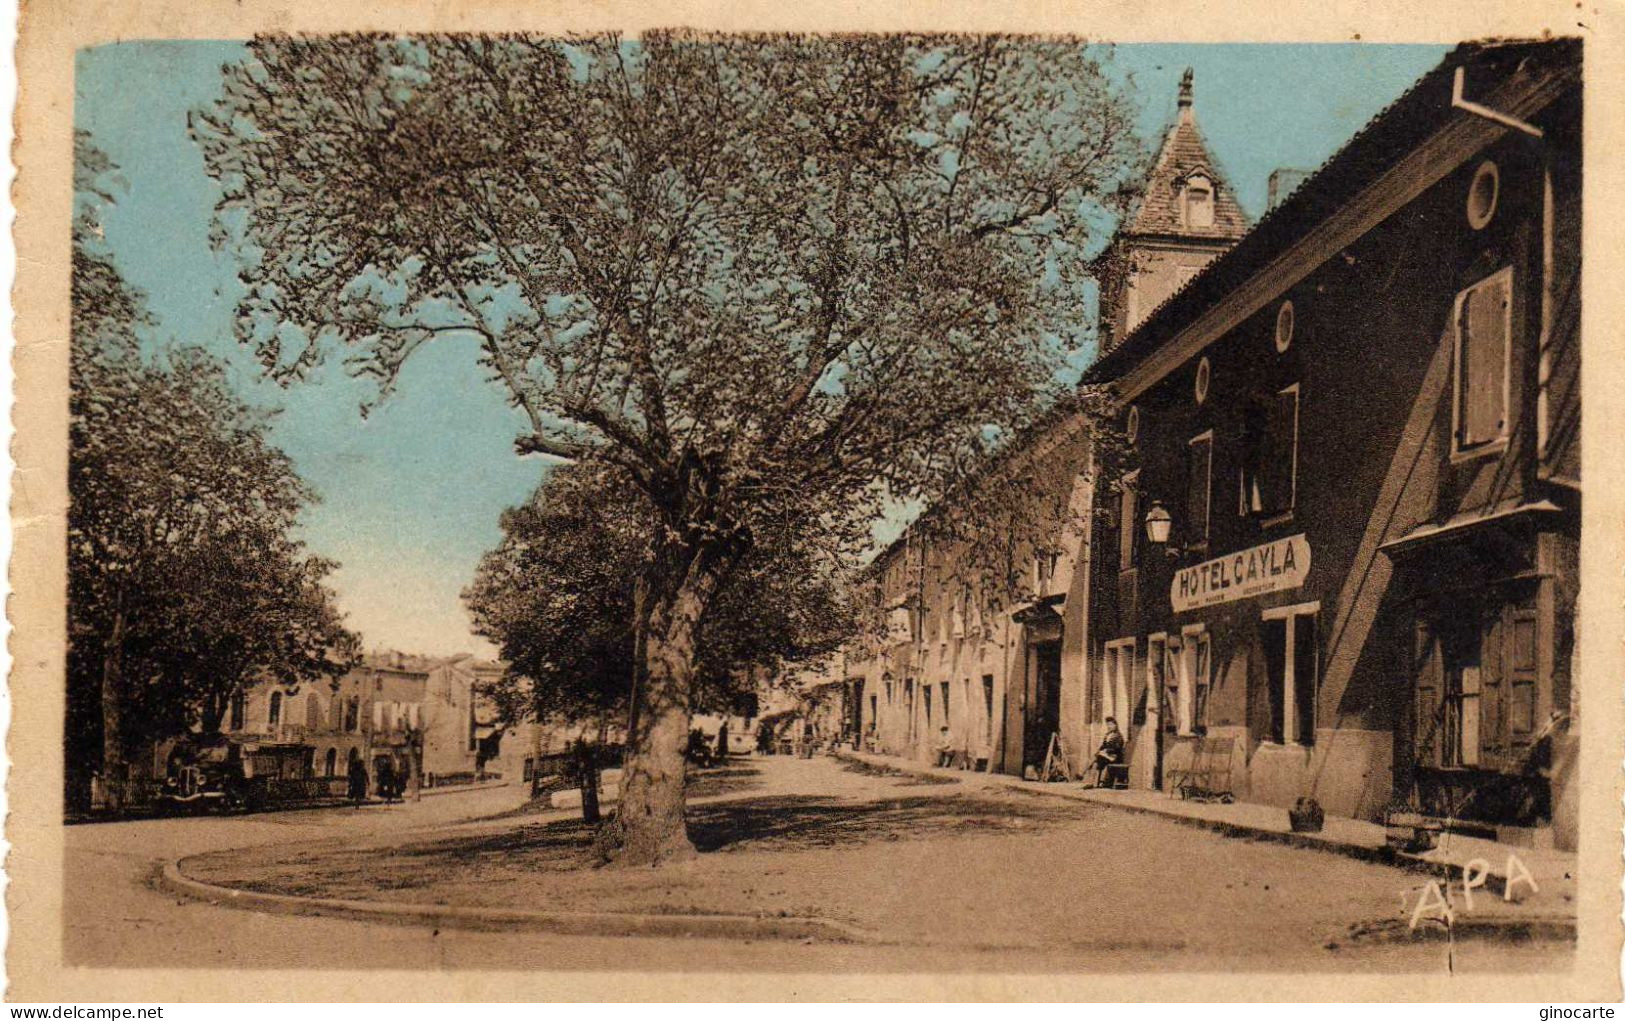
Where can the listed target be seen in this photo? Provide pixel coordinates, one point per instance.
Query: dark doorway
(1043, 703)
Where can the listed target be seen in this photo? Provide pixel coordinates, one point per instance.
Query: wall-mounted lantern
(1158, 523)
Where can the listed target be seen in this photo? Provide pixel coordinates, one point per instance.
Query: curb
(568, 923)
(1378, 855)
(462, 788)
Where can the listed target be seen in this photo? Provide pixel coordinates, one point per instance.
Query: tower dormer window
(1198, 202)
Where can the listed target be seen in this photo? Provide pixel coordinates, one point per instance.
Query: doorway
(1044, 702)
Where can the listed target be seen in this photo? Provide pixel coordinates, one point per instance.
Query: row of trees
(185, 581)
(767, 286)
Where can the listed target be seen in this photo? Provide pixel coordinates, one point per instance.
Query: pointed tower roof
(1184, 154)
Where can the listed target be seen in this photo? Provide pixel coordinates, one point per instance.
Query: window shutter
(1482, 414)
(1197, 485)
(1522, 675)
(1275, 486)
(1428, 733)
(1128, 526)
(1254, 427)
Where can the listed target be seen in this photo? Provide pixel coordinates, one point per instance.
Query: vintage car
(227, 775)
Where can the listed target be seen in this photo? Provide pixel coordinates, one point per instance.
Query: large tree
(185, 580)
(776, 280)
(559, 596)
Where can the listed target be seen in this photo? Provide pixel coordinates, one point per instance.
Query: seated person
(1110, 752)
(945, 748)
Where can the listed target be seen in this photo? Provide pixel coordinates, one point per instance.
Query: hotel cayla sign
(1272, 567)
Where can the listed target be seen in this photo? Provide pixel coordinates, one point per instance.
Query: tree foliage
(185, 580)
(777, 281)
(558, 595)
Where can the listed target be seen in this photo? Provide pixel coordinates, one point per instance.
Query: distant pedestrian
(358, 781)
(722, 742)
(386, 779)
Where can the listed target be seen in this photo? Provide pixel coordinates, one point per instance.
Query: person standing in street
(386, 780)
(358, 781)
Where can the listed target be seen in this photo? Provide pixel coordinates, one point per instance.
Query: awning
(1039, 611)
(1463, 523)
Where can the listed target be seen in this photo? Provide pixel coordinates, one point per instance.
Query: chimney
(1283, 182)
(1186, 91)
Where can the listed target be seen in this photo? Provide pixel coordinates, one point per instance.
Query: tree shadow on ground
(906, 778)
(708, 783)
(784, 823)
(804, 821)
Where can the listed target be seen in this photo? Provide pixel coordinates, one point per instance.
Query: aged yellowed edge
(52, 30)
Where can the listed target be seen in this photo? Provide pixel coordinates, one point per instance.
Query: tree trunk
(115, 772)
(587, 771)
(649, 827)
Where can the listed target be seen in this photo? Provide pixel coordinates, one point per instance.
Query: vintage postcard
(1004, 501)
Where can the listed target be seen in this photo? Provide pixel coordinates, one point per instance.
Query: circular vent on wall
(1204, 376)
(1285, 319)
(1482, 194)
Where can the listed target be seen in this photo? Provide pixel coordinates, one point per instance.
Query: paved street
(1059, 887)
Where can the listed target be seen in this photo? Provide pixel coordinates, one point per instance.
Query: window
(1198, 487)
(1044, 565)
(1116, 677)
(352, 714)
(1204, 379)
(1128, 523)
(987, 704)
(1483, 320)
(313, 711)
(1292, 667)
(1269, 474)
(239, 709)
(927, 689)
(330, 764)
(275, 716)
(1195, 665)
(947, 718)
(1199, 202)
(1132, 426)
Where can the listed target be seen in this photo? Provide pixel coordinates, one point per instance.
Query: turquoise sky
(411, 494)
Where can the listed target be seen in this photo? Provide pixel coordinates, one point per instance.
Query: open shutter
(1522, 680)
(1275, 485)
(1482, 380)
(1492, 698)
(1428, 732)
(1199, 471)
